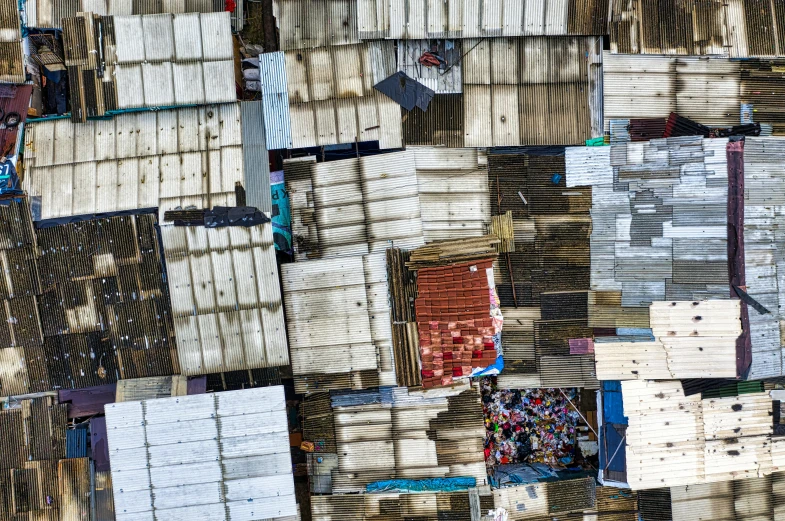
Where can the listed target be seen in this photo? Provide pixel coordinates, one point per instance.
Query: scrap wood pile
(442, 253)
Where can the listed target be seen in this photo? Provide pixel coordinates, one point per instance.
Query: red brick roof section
(453, 317)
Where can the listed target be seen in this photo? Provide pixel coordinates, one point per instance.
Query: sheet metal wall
(545, 500)
(164, 159)
(222, 456)
(659, 231)
(764, 198)
(399, 19)
(226, 300)
(531, 91)
(739, 28)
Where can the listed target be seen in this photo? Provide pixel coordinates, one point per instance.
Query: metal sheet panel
(255, 157)
(275, 100)
(220, 475)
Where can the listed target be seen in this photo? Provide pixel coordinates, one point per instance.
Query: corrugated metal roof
(706, 90)
(764, 186)
(332, 99)
(675, 440)
(355, 206)
(12, 60)
(219, 456)
(739, 28)
(658, 224)
(99, 310)
(396, 507)
(160, 60)
(138, 389)
(275, 99)
(35, 431)
(453, 188)
(165, 159)
(728, 500)
(547, 500)
(225, 296)
(49, 14)
(693, 340)
(389, 440)
(338, 322)
(531, 91)
(306, 24)
(469, 19)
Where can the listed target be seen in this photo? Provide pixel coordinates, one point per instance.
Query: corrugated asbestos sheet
(98, 311)
(754, 498)
(338, 320)
(275, 100)
(46, 490)
(226, 301)
(34, 431)
(165, 159)
(764, 207)
(675, 440)
(49, 13)
(695, 339)
(427, 506)
(531, 91)
(354, 206)
(739, 28)
(706, 90)
(12, 60)
(417, 435)
(332, 99)
(550, 500)
(217, 456)
(453, 187)
(161, 60)
(547, 274)
(400, 19)
(306, 24)
(659, 225)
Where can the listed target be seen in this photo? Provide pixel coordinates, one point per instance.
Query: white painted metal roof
(222, 456)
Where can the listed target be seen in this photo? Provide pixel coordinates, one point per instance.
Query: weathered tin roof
(160, 60)
(738, 28)
(165, 159)
(225, 296)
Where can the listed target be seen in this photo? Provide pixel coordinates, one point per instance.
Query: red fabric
(230, 5)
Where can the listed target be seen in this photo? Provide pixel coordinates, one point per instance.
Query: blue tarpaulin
(421, 485)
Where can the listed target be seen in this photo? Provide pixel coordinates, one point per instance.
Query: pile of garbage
(529, 426)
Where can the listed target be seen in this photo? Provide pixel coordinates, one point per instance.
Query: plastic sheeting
(421, 485)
